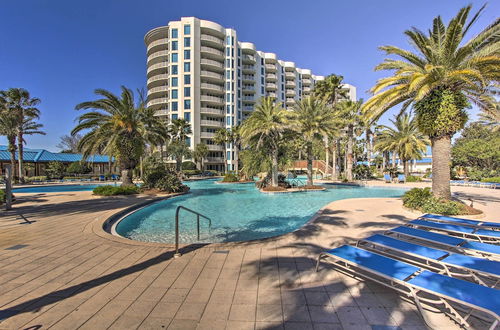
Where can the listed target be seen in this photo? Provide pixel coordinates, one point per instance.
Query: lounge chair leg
(319, 260)
(421, 309)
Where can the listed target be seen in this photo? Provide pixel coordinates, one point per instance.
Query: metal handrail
(198, 215)
(297, 183)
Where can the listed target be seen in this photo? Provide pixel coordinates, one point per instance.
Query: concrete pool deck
(57, 272)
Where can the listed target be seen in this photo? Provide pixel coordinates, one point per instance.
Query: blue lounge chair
(465, 222)
(102, 178)
(411, 281)
(482, 235)
(438, 260)
(387, 178)
(401, 178)
(458, 244)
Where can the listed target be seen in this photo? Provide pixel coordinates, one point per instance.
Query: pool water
(239, 212)
(59, 188)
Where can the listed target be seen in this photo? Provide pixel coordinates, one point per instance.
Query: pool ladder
(198, 216)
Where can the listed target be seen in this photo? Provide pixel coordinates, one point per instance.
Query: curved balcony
(248, 99)
(215, 147)
(248, 69)
(210, 52)
(159, 79)
(160, 44)
(159, 56)
(248, 59)
(161, 112)
(306, 81)
(271, 77)
(290, 84)
(290, 92)
(290, 101)
(248, 79)
(306, 89)
(212, 99)
(272, 94)
(212, 88)
(212, 123)
(211, 76)
(271, 86)
(212, 41)
(207, 135)
(157, 91)
(270, 68)
(212, 111)
(248, 108)
(248, 89)
(157, 68)
(247, 48)
(155, 102)
(212, 65)
(289, 75)
(215, 160)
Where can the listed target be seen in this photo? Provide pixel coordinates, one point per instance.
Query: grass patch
(495, 179)
(115, 190)
(412, 178)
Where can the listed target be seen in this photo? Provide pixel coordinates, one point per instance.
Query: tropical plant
(403, 139)
(55, 170)
(158, 176)
(180, 129)
(117, 126)
(351, 119)
(9, 130)
(311, 119)
(23, 106)
(178, 149)
(439, 79)
(222, 137)
(200, 153)
(491, 118)
(108, 190)
(264, 129)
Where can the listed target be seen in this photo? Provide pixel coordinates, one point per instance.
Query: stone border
(236, 182)
(289, 191)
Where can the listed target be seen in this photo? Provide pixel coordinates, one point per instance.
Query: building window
(174, 69)
(175, 57)
(187, 104)
(228, 74)
(187, 91)
(228, 40)
(228, 51)
(228, 120)
(187, 79)
(174, 116)
(187, 54)
(228, 108)
(229, 155)
(228, 63)
(175, 94)
(187, 67)
(187, 42)
(174, 33)
(175, 46)
(174, 81)
(188, 141)
(228, 97)
(187, 29)
(187, 116)
(175, 106)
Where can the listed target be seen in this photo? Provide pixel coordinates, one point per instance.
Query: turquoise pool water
(239, 212)
(58, 188)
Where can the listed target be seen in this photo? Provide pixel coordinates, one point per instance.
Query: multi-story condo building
(200, 71)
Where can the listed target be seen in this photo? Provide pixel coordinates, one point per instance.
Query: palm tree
(404, 139)
(311, 119)
(180, 129)
(491, 118)
(19, 102)
(264, 129)
(116, 126)
(178, 149)
(200, 152)
(349, 113)
(439, 80)
(9, 130)
(221, 137)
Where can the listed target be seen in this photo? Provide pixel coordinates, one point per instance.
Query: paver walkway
(57, 273)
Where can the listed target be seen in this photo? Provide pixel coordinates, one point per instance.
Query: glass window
(187, 54)
(187, 104)
(187, 79)
(174, 69)
(228, 108)
(187, 42)
(175, 106)
(174, 116)
(187, 116)
(175, 46)
(228, 120)
(228, 63)
(187, 67)
(174, 82)
(175, 93)
(174, 33)
(228, 40)
(228, 74)
(239, 52)
(228, 155)
(187, 29)
(188, 140)
(228, 97)
(175, 57)
(187, 91)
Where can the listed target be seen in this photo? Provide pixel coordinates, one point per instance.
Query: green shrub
(36, 178)
(412, 178)
(191, 172)
(230, 177)
(423, 200)
(3, 196)
(495, 179)
(188, 165)
(161, 178)
(416, 197)
(78, 168)
(55, 170)
(115, 190)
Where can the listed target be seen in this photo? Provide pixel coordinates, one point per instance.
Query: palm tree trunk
(274, 167)
(327, 156)
(20, 156)
(384, 158)
(334, 161)
(394, 159)
(441, 155)
(349, 155)
(309, 164)
(405, 167)
(178, 164)
(12, 150)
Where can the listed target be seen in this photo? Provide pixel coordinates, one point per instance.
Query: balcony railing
(161, 65)
(207, 135)
(158, 89)
(249, 89)
(270, 67)
(248, 108)
(215, 147)
(206, 61)
(271, 86)
(248, 67)
(212, 51)
(248, 77)
(212, 111)
(210, 98)
(215, 159)
(212, 87)
(248, 59)
(212, 75)
(158, 77)
(158, 43)
(212, 123)
(290, 92)
(212, 39)
(158, 101)
(161, 112)
(306, 81)
(271, 76)
(290, 75)
(161, 53)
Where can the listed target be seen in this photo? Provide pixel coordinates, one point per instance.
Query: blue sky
(62, 50)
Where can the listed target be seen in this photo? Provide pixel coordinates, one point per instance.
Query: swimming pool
(59, 188)
(239, 212)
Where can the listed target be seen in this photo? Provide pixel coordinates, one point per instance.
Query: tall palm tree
(178, 149)
(116, 126)
(222, 137)
(19, 102)
(9, 130)
(180, 129)
(312, 119)
(265, 129)
(491, 118)
(349, 113)
(439, 80)
(404, 139)
(200, 152)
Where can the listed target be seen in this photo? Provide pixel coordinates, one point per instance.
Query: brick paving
(61, 271)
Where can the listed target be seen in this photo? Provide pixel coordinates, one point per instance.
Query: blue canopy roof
(44, 156)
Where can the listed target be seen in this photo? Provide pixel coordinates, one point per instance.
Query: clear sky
(62, 50)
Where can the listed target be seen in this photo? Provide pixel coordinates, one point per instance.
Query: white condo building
(200, 71)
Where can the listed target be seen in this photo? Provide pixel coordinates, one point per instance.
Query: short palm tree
(200, 153)
(221, 137)
(312, 119)
(353, 122)
(403, 139)
(180, 129)
(179, 150)
(116, 126)
(23, 106)
(439, 80)
(264, 129)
